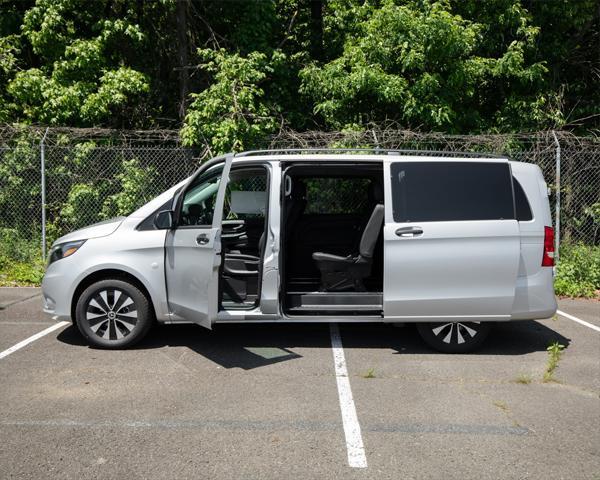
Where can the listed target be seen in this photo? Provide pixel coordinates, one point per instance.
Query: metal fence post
(557, 205)
(43, 175)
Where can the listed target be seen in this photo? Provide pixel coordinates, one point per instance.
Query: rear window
(522, 207)
(451, 191)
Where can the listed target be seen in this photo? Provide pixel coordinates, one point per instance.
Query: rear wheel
(113, 314)
(454, 337)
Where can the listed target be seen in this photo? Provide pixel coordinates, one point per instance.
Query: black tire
(454, 337)
(113, 314)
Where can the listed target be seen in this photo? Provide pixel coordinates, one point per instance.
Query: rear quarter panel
(534, 292)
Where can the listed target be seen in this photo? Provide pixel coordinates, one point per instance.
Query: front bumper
(57, 288)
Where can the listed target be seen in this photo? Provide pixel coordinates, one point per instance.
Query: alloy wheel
(111, 314)
(456, 332)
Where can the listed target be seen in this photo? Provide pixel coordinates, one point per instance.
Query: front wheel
(113, 314)
(454, 337)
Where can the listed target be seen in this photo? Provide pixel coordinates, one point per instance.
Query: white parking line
(578, 320)
(16, 322)
(33, 338)
(354, 443)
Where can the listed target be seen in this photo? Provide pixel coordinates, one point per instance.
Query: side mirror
(163, 220)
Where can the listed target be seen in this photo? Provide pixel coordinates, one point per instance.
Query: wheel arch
(105, 274)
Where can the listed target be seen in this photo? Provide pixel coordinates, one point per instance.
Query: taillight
(548, 257)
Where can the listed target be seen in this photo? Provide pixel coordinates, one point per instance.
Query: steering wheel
(196, 215)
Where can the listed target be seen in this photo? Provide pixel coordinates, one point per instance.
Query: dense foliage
(428, 67)
(578, 271)
(20, 259)
(232, 72)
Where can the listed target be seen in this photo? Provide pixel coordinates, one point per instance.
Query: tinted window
(446, 191)
(521, 203)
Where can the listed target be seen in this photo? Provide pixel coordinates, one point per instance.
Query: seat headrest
(375, 192)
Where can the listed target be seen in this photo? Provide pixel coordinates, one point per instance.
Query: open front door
(451, 240)
(193, 247)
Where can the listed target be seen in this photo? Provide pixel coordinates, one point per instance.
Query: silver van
(450, 242)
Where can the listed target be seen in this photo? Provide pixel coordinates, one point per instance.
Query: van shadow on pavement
(256, 345)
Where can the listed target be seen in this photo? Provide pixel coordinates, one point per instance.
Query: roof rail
(380, 151)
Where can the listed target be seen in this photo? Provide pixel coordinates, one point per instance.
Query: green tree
(232, 113)
(82, 80)
(569, 43)
(420, 64)
(448, 65)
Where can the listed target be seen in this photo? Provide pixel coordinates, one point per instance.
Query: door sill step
(335, 302)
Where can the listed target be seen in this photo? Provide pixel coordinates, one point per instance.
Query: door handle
(406, 232)
(202, 239)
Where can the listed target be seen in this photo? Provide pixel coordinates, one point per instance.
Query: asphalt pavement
(263, 401)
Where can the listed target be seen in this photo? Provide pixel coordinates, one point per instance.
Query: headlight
(63, 250)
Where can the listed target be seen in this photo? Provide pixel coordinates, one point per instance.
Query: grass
(555, 351)
(21, 274)
(370, 373)
(20, 260)
(578, 271)
(501, 405)
(524, 379)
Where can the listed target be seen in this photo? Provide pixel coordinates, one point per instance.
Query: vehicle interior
(244, 227)
(332, 245)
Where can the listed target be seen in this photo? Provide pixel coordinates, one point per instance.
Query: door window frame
(179, 196)
(180, 204)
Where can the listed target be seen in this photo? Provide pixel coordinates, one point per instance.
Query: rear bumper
(534, 296)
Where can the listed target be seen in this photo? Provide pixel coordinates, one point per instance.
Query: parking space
(470, 416)
(586, 310)
(19, 315)
(11, 296)
(261, 401)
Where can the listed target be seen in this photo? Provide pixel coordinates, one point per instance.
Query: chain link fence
(88, 176)
(92, 175)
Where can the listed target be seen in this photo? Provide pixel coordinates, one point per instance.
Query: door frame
(269, 278)
(268, 285)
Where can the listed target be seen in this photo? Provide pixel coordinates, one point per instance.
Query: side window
(246, 194)
(199, 201)
(521, 203)
(336, 195)
(451, 191)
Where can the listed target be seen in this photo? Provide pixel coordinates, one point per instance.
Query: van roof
(369, 151)
(360, 155)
